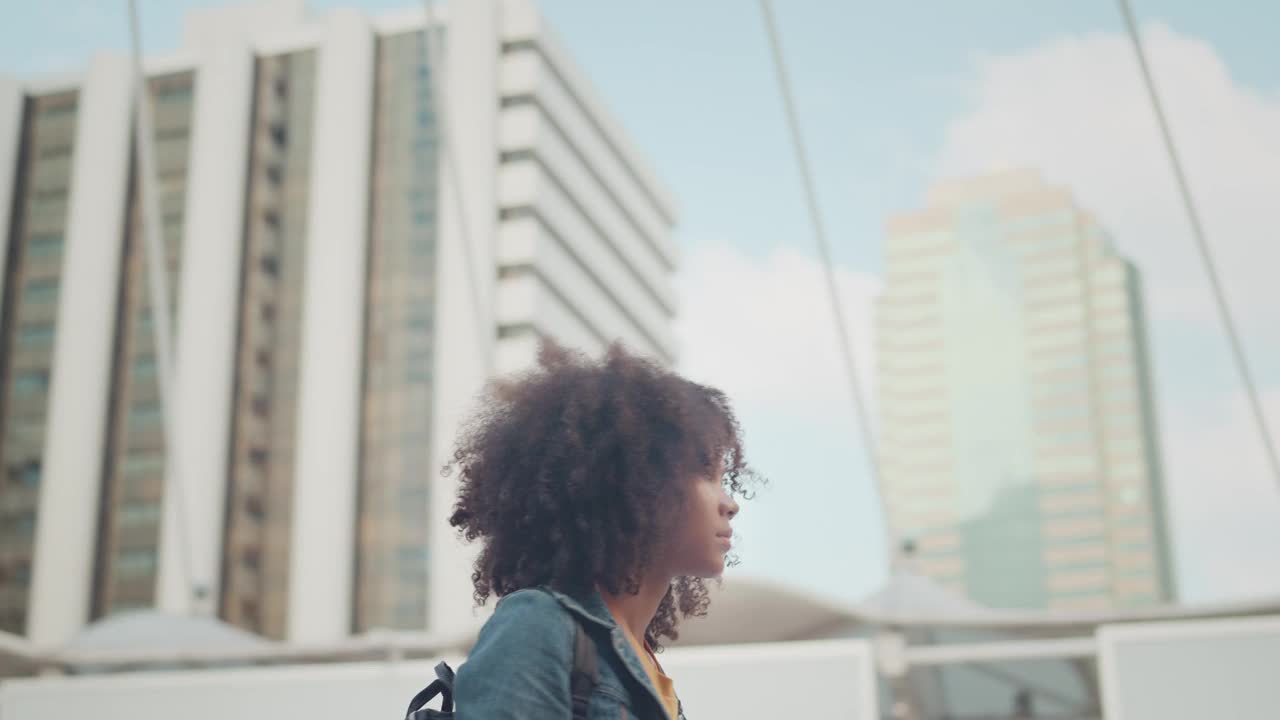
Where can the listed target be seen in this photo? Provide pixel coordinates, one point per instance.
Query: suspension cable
(1206, 253)
(828, 266)
(437, 81)
(158, 282)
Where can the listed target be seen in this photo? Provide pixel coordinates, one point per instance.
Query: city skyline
(1065, 510)
(1016, 88)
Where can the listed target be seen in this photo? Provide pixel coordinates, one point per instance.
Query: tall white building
(328, 337)
(1019, 450)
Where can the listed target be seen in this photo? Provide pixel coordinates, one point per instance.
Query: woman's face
(703, 535)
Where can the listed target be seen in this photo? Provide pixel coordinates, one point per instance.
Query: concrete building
(1019, 445)
(340, 292)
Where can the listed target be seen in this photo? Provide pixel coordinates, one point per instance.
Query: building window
(144, 366)
(172, 133)
(1065, 437)
(1049, 362)
(1116, 372)
(1066, 410)
(26, 474)
(249, 611)
(419, 319)
(181, 93)
(408, 615)
(261, 406)
(139, 513)
(253, 506)
(42, 246)
(23, 524)
(142, 465)
(144, 321)
(51, 108)
(412, 560)
(145, 415)
(31, 382)
(1130, 495)
(41, 334)
(51, 196)
(136, 561)
(1065, 388)
(1069, 314)
(1119, 421)
(1114, 345)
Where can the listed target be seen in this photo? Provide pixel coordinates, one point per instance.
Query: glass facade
(28, 329)
(255, 570)
(395, 442)
(1016, 410)
(133, 489)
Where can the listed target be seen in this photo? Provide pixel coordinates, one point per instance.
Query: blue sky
(875, 82)
(892, 96)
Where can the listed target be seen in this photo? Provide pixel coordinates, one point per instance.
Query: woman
(602, 493)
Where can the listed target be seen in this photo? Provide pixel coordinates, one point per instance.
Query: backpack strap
(583, 677)
(442, 685)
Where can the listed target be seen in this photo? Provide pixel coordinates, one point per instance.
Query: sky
(891, 97)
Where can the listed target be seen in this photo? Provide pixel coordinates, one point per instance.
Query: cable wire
(158, 287)
(438, 76)
(828, 266)
(1206, 253)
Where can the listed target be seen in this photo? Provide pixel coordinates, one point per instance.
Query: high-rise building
(1018, 437)
(340, 292)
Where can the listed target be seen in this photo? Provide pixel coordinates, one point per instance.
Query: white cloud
(1224, 503)
(761, 329)
(1075, 109)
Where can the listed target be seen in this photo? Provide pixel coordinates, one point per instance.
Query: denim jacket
(519, 668)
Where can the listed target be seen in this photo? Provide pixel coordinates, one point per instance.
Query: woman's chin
(714, 570)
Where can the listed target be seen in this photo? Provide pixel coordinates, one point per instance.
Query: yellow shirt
(666, 689)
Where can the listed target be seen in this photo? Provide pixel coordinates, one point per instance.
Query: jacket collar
(590, 607)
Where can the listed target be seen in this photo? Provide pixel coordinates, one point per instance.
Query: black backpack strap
(442, 686)
(583, 678)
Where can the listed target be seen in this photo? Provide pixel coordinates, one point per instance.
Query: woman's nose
(729, 507)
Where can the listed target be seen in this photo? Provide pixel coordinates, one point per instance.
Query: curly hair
(573, 473)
